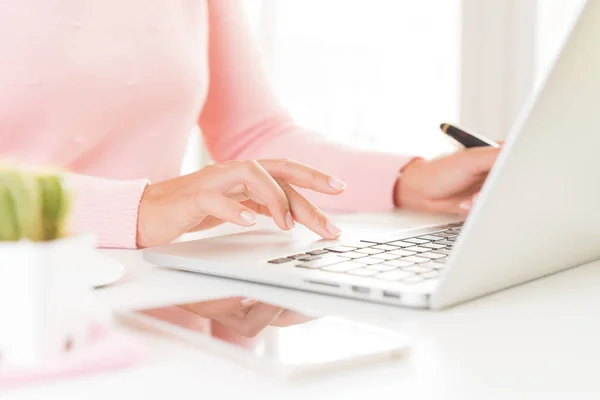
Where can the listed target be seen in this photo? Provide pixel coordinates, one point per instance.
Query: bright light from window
(554, 19)
(381, 74)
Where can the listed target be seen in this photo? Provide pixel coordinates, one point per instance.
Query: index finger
(303, 176)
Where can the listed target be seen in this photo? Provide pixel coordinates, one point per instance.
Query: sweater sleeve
(107, 208)
(242, 119)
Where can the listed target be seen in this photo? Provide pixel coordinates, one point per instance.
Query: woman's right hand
(234, 192)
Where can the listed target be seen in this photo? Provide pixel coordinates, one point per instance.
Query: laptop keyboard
(408, 260)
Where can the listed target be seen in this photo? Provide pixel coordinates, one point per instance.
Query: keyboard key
(443, 251)
(342, 267)
(398, 263)
(280, 261)
(394, 275)
(368, 260)
(402, 253)
(362, 272)
(385, 247)
(417, 249)
(430, 274)
(369, 250)
(414, 279)
(401, 243)
(447, 234)
(433, 265)
(431, 238)
(441, 261)
(451, 239)
(434, 246)
(308, 258)
(352, 254)
(389, 255)
(417, 269)
(324, 261)
(415, 259)
(317, 252)
(340, 249)
(445, 242)
(417, 241)
(381, 267)
(373, 241)
(432, 256)
(358, 245)
(297, 256)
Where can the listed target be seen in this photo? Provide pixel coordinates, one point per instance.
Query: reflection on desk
(270, 337)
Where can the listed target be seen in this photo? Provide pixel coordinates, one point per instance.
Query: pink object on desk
(107, 350)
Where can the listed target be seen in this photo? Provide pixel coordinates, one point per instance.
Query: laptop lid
(539, 210)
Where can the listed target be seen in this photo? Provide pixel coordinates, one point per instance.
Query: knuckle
(315, 213)
(287, 189)
(284, 163)
(209, 169)
(315, 175)
(251, 165)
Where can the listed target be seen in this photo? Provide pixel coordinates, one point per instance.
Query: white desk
(539, 340)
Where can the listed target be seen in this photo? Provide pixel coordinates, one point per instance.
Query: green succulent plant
(34, 205)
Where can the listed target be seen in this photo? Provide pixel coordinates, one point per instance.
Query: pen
(465, 138)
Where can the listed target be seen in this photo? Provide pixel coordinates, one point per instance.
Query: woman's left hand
(448, 184)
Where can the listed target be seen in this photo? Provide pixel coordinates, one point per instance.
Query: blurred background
(383, 74)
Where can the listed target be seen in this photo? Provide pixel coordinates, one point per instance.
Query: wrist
(405, 192)
(142, 239)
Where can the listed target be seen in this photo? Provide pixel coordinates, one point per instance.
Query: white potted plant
(44, 297)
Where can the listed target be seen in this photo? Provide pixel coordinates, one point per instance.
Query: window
(383, 74)
(380, 74)
(554, 19)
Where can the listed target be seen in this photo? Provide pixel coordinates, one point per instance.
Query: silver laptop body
(538, 213)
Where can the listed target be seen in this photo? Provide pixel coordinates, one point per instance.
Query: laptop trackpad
(262, 244)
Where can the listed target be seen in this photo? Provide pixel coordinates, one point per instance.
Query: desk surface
(538, 340)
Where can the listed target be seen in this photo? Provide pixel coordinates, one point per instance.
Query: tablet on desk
(275, 340)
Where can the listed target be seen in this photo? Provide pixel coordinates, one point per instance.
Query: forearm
(242, 119)
(371, 176)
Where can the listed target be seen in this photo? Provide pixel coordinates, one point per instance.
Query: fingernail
(333, 229)
(337, 184)
(248, 302)
(289, 220)
(248, 217)
(465, 205)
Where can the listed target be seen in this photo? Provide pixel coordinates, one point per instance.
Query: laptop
(538, 213)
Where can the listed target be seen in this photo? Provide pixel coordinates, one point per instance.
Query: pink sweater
(111, 89)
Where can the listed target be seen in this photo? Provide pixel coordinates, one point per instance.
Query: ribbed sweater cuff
(108, 209)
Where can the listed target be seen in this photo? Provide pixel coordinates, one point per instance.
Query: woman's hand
(234, 192)
(445, 185)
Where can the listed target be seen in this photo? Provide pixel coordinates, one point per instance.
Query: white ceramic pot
(45, 298)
